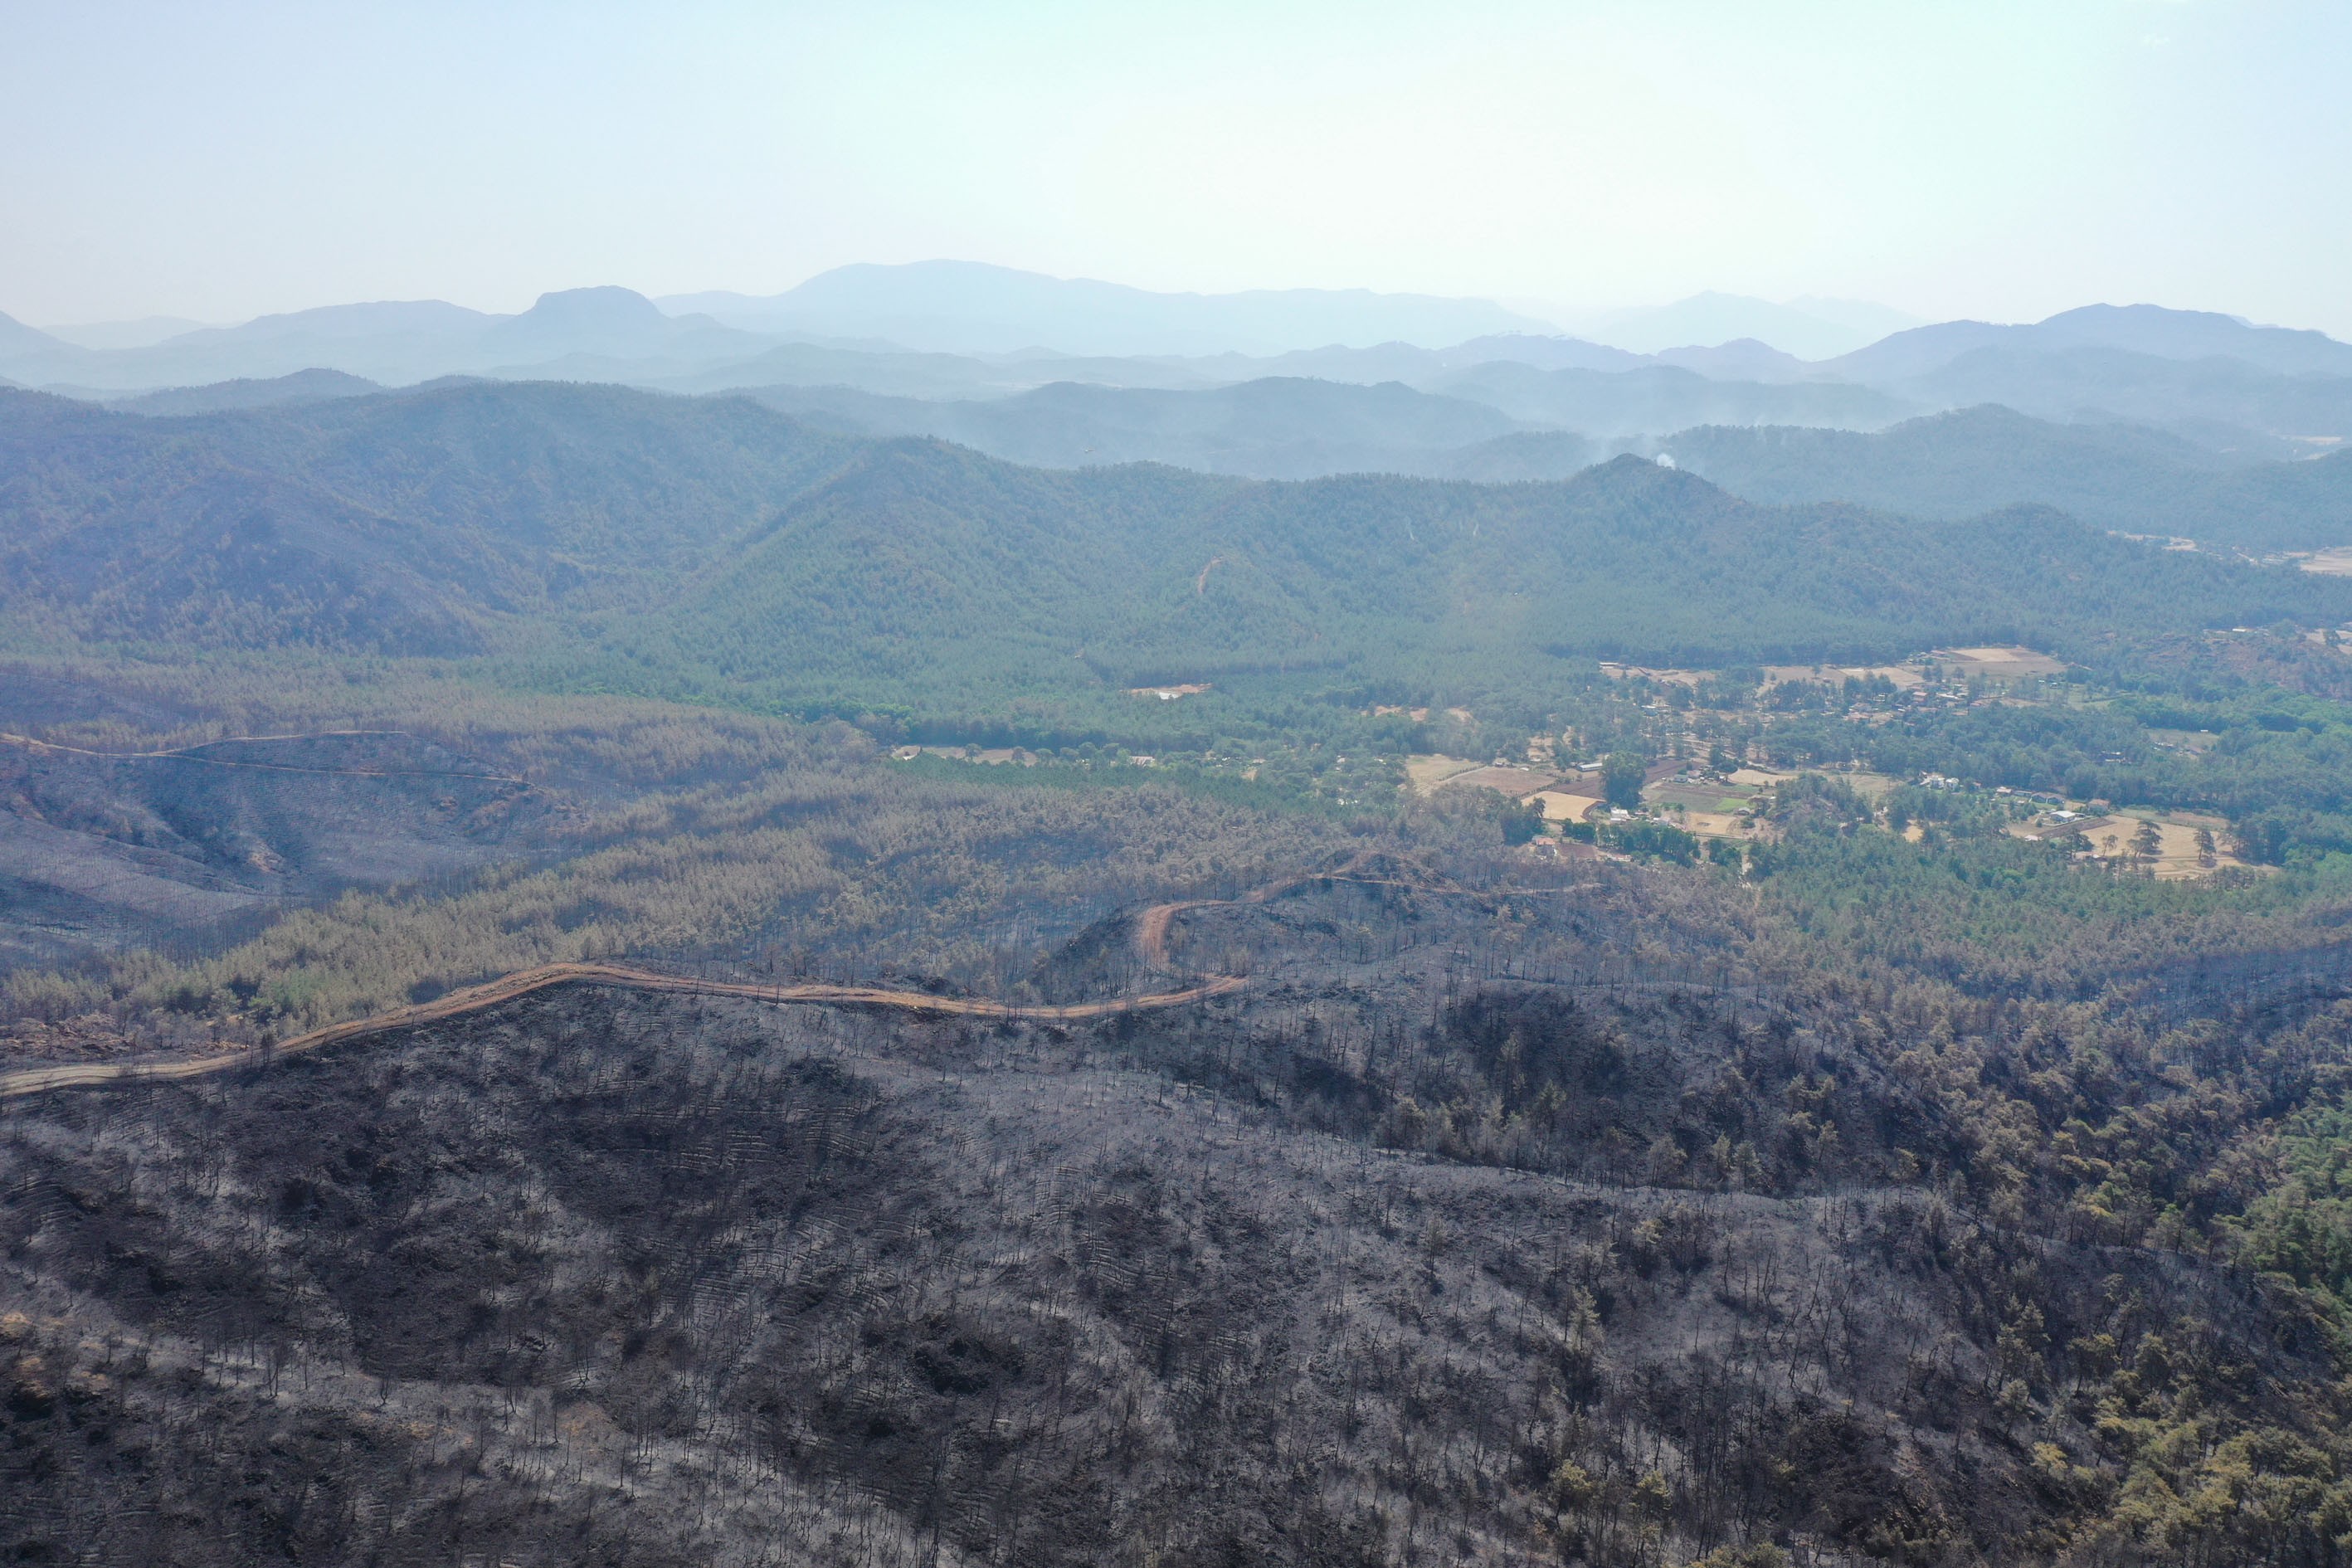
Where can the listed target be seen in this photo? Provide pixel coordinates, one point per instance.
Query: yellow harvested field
(2177, 857)
(1872, 786)
(1516, 781)
(1715, 824)
(2056, 829)
(1644, 672)
(1422, 774)
(1558, 805)
(992, 755)
(1901, 676)
(2336, 563)
(1999, 663)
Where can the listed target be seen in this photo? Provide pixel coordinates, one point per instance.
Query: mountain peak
(605, 321)
(16, 338)
(1833, 327)
(603, 303)
(2168, 333)
(966, 307)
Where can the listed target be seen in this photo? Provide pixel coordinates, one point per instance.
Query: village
(1705, 799)
(1690, 764)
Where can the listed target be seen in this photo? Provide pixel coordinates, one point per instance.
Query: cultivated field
(2115, 837)
(1690, 678)
(1425, 774)
(1430, 773)
(1903, 677)
(1559, 806)
(1999, 663)
(1873, 787)
(2178, 857)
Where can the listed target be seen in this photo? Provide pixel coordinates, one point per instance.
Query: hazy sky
(1966, 158)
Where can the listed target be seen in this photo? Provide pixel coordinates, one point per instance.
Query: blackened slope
(96, 851)
(797, 1293)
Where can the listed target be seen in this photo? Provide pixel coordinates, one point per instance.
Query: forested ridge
(2131, 479)
(712, 551)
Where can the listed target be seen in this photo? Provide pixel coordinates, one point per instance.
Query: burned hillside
(1534, 1225)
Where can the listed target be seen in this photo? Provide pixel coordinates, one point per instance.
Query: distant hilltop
(1277, 384)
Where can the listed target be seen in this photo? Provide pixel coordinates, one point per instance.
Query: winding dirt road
(1151, 937)
(523, 982)
(1153, 926)
(195, 755)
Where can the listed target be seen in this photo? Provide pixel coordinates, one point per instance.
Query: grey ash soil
(100, 853)
(597, 1278)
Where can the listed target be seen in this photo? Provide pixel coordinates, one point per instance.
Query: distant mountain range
(1806, 329)
(2127, 479)
(2148, 329)
(2244, 491)
(594, 330)
(1274, 428)
(145, 332)
(928, 347)
(964, 307)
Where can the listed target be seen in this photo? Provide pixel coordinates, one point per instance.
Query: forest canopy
(589, 539)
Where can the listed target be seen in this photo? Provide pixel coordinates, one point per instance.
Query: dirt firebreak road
(1153, 926)
(1150, 938)
(523, 982)
(195, 755)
